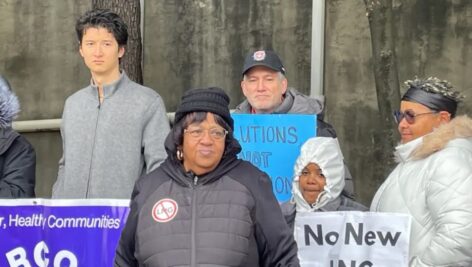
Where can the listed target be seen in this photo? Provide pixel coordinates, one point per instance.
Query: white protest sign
(352, 239)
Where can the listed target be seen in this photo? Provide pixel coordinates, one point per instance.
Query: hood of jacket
(9, 105)
(175, 169)
(459, 127)
(325, 152)
(293, 102)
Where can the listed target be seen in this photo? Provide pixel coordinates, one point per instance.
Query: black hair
(103, 18)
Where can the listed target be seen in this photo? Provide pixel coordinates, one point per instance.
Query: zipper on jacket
(93, 147)
(193, 258)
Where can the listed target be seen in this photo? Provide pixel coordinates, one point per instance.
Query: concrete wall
(200, 43)
(39, 56)
(192, 44)
(433, 38)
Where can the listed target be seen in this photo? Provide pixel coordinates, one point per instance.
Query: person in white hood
(318, 180)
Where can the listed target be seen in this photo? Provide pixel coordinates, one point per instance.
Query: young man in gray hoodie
(113, 130)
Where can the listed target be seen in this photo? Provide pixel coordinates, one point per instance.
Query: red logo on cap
(164, 210)
(259, 55)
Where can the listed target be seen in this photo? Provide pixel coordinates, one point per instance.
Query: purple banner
(44, 232)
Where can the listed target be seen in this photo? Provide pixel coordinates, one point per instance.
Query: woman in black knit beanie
(203, 206)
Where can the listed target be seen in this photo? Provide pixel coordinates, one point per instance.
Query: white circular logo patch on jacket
(164, 210)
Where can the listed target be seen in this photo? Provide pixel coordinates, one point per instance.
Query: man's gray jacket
(107, 146)
(295, 102)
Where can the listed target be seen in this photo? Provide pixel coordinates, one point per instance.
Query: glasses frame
(409, 115)
(199, 133)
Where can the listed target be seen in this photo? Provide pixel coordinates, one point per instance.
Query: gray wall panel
(200, 43)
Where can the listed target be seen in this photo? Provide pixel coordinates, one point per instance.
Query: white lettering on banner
(83, 222)
(40, 254)
(65, 255)
(1, 220)
(35, 220)
(38, 220)
(17, 257)
(331, 238)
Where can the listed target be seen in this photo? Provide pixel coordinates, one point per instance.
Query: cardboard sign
(351, 238)
(272, 143)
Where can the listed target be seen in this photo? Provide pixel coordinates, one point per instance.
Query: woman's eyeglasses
(409, 115)
(215, 133)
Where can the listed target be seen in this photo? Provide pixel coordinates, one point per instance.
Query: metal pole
(317, 47)
(51, 125)
(37, 126)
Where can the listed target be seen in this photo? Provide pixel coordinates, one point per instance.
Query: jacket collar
(110, 89)
(287, 102)
(403, 151)
(325, 204)
(459, 127)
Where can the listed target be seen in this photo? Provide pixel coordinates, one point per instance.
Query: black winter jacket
(228, 217)
(17, 165)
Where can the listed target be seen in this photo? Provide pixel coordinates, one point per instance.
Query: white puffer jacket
(433, 183)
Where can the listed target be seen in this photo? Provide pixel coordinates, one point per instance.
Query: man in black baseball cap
(264, 83)
(266, 90)
(265, 58)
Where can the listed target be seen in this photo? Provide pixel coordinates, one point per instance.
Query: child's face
(312, 182)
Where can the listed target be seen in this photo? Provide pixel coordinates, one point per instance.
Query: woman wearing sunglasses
(433, 179)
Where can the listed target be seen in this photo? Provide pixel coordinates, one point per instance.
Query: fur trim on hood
(460, 127)
(9, 105)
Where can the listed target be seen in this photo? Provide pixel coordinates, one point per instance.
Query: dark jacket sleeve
(348, 190)
(289, 212)
(275, 240)
(19, 170)
(124, 256)
(325, 129)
